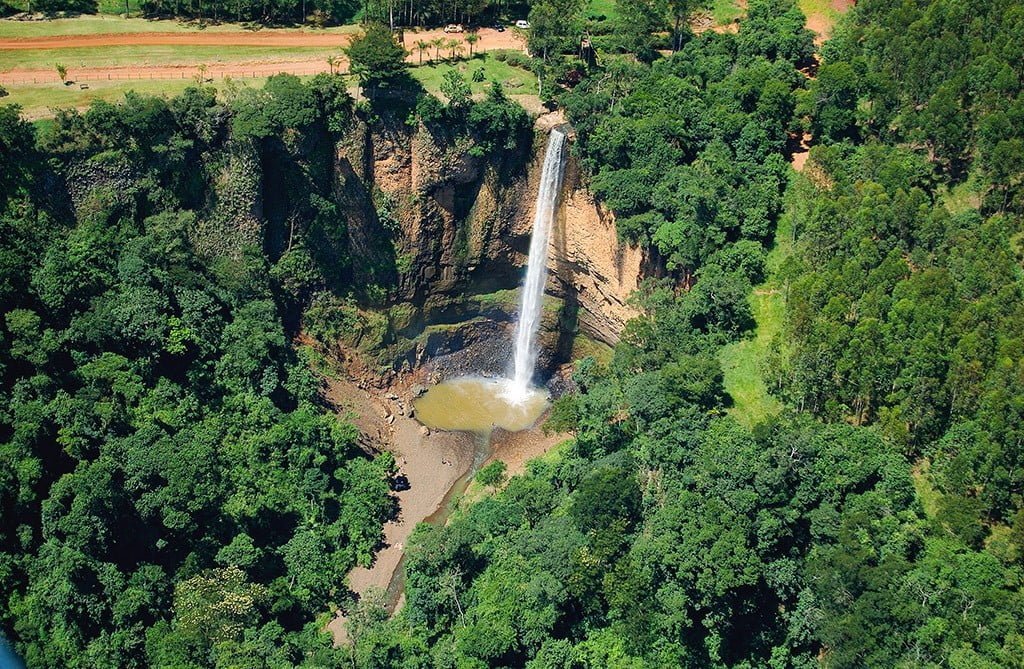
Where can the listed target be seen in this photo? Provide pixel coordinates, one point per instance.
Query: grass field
(514, 79)
(91, 25)
(742, 361)
(823, 7)
(101, 24)
(122, 56)
(606, 8)
(36, 100)
(725, 11)
(962, 197)
(926, 492)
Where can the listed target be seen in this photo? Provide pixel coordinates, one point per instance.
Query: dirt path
(489, 40)
(275, 38)
(432, 461)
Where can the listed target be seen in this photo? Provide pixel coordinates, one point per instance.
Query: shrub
(492, 474)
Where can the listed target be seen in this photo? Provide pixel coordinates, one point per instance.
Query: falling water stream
(477, 404)
(532, 298)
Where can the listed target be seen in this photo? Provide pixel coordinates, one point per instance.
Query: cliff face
(444, 234)
(591, 267)
(453, 214)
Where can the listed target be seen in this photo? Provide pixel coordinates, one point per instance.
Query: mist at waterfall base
(478, 404)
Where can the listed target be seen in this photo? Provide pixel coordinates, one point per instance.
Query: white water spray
(532, 298)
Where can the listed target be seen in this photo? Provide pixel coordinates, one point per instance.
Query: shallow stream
(470, 404)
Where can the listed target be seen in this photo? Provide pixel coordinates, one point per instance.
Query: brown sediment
(437, 463)
(515, 449)
(433, 461)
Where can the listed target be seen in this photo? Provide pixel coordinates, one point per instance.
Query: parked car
(453, 28)
(522, 23)
(499, 27)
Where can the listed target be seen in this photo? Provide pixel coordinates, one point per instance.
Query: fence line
(154, 76)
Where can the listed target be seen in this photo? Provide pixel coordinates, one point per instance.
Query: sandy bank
(432, 461)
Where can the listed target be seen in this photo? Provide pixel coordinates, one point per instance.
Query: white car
(522, 23)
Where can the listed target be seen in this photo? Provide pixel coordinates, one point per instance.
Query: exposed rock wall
(463, 229)
(591, 267)
(444, 231)
(455, 212)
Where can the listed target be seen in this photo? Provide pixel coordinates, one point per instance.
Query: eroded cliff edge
(433, 231)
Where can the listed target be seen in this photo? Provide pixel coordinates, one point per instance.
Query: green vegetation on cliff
(174, 492)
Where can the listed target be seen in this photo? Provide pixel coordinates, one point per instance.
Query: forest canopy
(176, 491)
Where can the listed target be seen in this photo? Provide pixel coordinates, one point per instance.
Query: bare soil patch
(314, 64)
(432, 461)
(821, 26)
(798, 147)
(515, 449)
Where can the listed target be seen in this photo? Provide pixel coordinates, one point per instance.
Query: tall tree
(376, 58)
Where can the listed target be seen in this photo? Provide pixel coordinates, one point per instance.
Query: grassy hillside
(743, 362)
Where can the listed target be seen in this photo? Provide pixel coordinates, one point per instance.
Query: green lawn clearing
(37, 100)
(743, 361)
(726, 11)
(606, 8)
(126, 56)
(513, 79)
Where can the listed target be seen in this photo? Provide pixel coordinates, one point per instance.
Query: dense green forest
(174, 491)
(877, 521)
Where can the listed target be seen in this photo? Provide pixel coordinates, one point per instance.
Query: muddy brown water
(469, 404)
(478, 405)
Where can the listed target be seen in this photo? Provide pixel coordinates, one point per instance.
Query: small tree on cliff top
(377, 59)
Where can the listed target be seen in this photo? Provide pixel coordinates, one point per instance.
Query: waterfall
(532, 298)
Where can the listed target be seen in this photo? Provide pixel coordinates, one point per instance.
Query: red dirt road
(489, 41)
(276, 38)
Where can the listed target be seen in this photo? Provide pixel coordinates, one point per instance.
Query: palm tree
(454, 45)
(332, 61)
(438, 43)
(471, 39)
(62, 72)
(422, 46)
